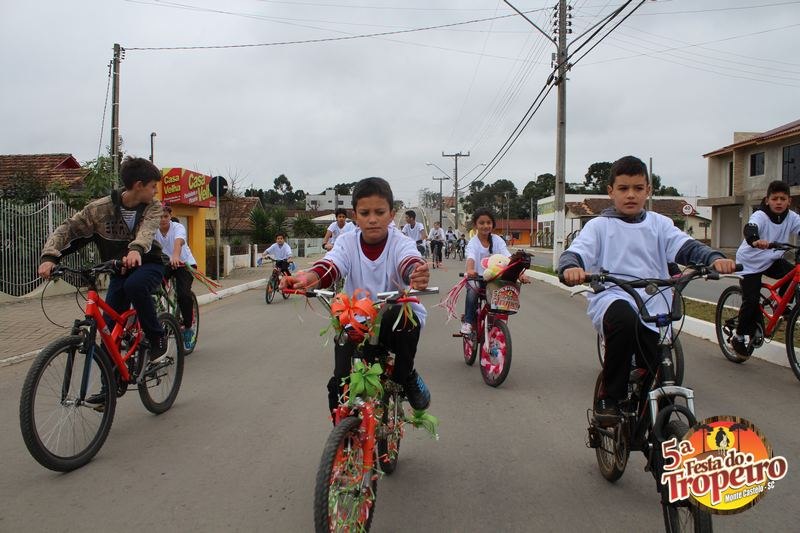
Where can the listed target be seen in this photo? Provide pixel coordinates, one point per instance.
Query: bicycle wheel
(272, 286)
(471, 347)
(343, 499)
(188, 347)
(725, 321)
(677, 361)
(793, 341)
(680, 516)
(161, 383)
(62, 432)
(612, 454)
(496, 353)
(284, 294)
(391, 431)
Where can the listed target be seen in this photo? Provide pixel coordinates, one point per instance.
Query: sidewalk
(25, 330)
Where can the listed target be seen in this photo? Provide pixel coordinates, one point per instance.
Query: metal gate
(24, 228)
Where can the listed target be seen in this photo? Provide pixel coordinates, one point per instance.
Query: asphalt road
(239, 449)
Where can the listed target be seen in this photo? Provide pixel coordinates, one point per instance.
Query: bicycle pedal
(459, 334)
(593, 440)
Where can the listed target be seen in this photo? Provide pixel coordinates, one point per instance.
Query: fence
(24, 228)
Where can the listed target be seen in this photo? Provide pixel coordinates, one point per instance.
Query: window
(757, 164)
(730, 178)
(791, 165)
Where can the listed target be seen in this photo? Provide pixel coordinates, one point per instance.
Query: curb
(201, 300)
(773, 352)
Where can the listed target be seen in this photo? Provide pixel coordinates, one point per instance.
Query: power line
(105, 106)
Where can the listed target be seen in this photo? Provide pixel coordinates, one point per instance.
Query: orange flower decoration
(354, 315)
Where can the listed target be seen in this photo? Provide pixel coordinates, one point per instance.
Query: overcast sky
(672, 82)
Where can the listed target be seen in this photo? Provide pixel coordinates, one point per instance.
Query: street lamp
(440, 170)
(473, 168)
(152, 136)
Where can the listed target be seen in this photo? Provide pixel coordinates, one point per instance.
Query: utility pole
(508, 216)
(650, 200)
(441, 198)
(115, 109)
(455, 178)
(561, 135)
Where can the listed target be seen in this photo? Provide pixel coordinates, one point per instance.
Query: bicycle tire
(793, 341)
(612, 454)
(270, 289)
(161, 384)
(56, 448)
(341, 456)
(726, 318)
(470, 347)
(681, 516)
(188, 348)
(496, 353)
(392, 427)
(284, 294)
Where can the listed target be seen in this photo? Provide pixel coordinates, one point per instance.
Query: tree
(282, 185)
(267, 222)
(494, 197)
(344, 189)
(597, 178)
(303, 226)
(660, 190)
(98, 182)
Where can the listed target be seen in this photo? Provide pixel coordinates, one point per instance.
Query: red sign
(187, 187)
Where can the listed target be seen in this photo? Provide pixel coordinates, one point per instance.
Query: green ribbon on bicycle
(423, 419)
(365, 381)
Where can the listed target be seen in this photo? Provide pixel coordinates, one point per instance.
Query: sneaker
(417, 392)
(188, 338)
(158, 347)
(741, 347)
(606, 412)
(466, 328)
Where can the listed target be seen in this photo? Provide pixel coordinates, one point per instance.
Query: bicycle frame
(95, 307)
(792, 278)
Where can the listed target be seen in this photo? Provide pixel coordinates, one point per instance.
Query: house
(234, 214)
(516, 231)
(43, 170)
(329, 199)
(738, 175)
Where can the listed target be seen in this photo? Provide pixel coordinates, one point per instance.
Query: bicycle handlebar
(113, 266)
(783, 246)
(651, 285)
(390, 297)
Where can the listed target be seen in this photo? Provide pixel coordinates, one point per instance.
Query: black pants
(751, 288)
(402, 342)
(436, 250)
(625, 335)
(283, 266)
(183, 290)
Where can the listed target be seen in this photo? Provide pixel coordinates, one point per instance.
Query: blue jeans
(137, 288)
(471, 303)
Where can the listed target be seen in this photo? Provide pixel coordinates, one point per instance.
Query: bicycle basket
(503, 296)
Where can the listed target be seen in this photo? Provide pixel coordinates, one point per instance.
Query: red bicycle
(369, 425)
(69, 395)
(774, 308)
(490, 335)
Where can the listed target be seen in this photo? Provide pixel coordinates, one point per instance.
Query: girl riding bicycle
(481, 246)
(772, 222)
(626, 239)
(374, 259)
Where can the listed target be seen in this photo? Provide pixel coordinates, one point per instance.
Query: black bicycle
(657, 408)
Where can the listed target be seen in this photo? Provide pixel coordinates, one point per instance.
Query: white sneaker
(466, 328)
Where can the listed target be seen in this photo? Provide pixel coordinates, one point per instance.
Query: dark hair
(280, 234)
(340, 211)
(135, 169)
(629, 166)
(168, 208)
(411, 214)
(481, 211)
(776, 187)
(373, 187)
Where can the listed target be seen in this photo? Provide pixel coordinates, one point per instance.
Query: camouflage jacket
(101, 222)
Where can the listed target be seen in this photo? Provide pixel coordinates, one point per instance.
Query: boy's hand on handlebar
(760, 243)
(45, 269)
(726, 266)
(524, 279)
(574, 276)
(299, 280)
(132, 260)
(420, 277)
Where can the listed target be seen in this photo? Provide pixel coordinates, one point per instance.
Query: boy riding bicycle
(773, 221)
(415, 231)
(627, 240)
(123, 225)
(375, 259)
(281, 252)
(337, 228)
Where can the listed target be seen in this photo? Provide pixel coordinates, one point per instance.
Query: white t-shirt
(167, 242)
(279, 252)
(415, 233)
(477, 252)
(450, 236)
(628, 250)
(381, 275)
(336, 230)
(754, 260)
(436, 234)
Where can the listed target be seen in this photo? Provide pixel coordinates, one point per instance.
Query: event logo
(724, 465)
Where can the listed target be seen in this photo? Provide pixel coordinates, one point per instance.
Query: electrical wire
(105, 106)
